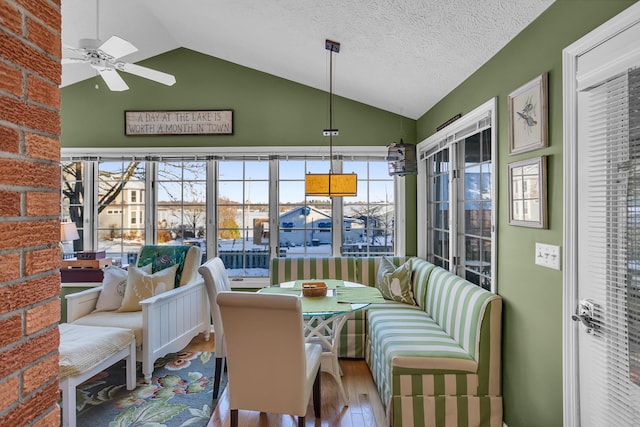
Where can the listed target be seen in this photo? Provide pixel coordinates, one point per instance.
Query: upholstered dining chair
(270, 367)
(216, 280)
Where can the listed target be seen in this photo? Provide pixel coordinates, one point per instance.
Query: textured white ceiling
(402, 56)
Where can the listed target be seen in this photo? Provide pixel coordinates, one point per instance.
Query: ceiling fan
(103, 57)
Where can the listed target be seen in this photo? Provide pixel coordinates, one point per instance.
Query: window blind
(612, 216)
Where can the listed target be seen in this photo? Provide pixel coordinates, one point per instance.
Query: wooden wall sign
(189, 122)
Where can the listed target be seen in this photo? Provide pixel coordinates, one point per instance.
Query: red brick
(10, 330)
(20, 356)
(41, 260)
(41, 203)
(43, 92)
(9, 392)
(9, 140)
(10, 17)
(32, 116)
(32, 174)
(10, 267)
(42, 147)
(51, 419)
(24, 234)
(29, 58)
(39, 374)
(9, 204)
(10, 79)
(43, 37)
(46, 12)
(42, 316)
(27, 293)
(31, 408)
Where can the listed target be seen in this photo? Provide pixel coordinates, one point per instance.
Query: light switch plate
(547, 255)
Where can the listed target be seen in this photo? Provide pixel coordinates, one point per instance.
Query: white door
(602, 225)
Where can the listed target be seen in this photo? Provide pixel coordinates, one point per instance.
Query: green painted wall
(532, 317)
(268, 111)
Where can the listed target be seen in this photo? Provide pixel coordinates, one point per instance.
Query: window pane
(305, 223)
(439, 208)
(243, 217)
(476, 208)
(368, 221)
(182, 212)
(121, 195)
(73, 203)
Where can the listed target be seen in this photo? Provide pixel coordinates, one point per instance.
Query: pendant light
(331, 184)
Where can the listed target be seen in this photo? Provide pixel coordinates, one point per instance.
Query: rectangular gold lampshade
(331, 184)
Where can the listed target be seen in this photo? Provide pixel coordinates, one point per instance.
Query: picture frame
(528, 192)
(528, 111)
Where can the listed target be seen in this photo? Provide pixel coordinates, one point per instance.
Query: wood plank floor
(364, 410)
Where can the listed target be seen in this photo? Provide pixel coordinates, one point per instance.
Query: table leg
(326, 332)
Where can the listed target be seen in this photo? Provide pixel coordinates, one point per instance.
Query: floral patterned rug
(180, 394)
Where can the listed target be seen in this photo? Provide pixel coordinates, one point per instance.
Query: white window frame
(458, 130)
(271, 153)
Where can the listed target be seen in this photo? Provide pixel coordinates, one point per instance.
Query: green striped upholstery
(421, 271)
(407, 344)
(447, 411)
(287, 269)
(441, 368)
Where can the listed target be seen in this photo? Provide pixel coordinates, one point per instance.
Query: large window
(244, 209)
(457, 190)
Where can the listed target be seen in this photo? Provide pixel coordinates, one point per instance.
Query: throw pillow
(113, 284)
(394, 282)
(141, 285)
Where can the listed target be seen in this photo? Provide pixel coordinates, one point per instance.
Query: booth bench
(439, 359)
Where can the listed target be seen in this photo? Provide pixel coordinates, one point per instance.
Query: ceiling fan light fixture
(331, 184)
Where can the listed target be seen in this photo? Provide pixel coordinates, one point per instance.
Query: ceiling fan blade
(116, 47)
(79, 50)
(113, 79)
(73, 61)
(147, 73)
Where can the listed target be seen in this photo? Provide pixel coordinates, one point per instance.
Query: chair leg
(234, 418)
(301, 422)
(216, 382)
(316, 394)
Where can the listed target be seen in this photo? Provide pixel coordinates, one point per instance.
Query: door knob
(585, 315)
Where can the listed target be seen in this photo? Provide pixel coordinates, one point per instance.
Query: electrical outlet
(547, 255)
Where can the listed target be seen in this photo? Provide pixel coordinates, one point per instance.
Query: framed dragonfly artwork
(528, 116)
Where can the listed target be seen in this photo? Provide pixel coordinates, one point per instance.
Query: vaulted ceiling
(402, 56)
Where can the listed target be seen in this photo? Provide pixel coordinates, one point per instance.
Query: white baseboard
(504, 424)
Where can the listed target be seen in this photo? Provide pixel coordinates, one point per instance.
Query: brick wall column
(29, 211)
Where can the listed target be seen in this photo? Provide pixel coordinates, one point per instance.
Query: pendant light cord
(331, 111)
